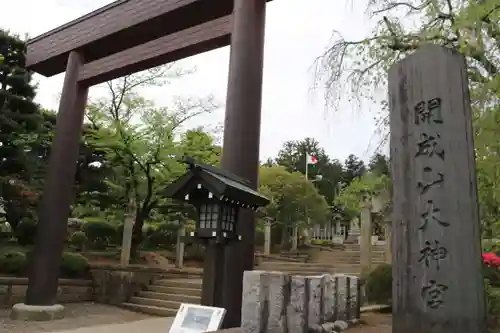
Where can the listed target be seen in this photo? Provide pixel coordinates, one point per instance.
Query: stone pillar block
(279, 298)
(342, 293)
(255, 301)
(329, 299)
(354, 298)
(316, 300)
(297, 309)
(266, 296)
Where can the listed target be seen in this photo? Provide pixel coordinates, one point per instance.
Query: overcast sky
(297, 31)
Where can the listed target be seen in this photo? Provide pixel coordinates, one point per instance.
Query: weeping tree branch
(393, 5)
(391, 44)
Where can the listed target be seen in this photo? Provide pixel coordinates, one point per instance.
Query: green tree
(141, 141)
(293, 157)
(200, 145)
(370, 184)
(470, 27)
(487, 127)
(379, 165)
(294, 201)
(353, 168)
(20, 121)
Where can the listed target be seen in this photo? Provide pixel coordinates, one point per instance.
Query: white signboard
(193, 318)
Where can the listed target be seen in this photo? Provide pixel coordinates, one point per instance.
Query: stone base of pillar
(25, 312)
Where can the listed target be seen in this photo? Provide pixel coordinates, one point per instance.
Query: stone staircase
(163, 297)
(326, 260)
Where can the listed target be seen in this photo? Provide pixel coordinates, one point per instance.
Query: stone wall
(13, 290)
(110, 284)
(115, 284)
(276, 302)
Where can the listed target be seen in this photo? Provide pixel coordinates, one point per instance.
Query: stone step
(357, 251)
(328, 259)
(309, 266)
(151, 310)
(179, 283)
(357, 255)
(170, 297)
(155, 302)
(357, 248)
(301, 272)
(307, 270)
(274, 259)
(312, 273)
(347, 253)
(294, 256)
(174, 290)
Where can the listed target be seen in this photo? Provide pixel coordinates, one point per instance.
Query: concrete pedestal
(25, 312)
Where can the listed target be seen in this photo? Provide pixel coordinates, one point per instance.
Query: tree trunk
(137, 235)
(285, 237)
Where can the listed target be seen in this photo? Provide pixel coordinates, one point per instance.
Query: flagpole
(307, 165)
(306, 213)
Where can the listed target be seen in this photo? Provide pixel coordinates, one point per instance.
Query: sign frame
(185, 322)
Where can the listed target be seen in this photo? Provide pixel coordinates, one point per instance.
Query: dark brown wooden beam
(58, 191)
(182, 44)
(119, 26)
(240, 153)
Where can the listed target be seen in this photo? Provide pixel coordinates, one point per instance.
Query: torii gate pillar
(242, 138)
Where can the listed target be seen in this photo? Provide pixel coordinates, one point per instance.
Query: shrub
(163, 236)
(492, 274)
(323, 242)
(13, 262)
(194, 252)
(190, 226)
(259, 238)
(5, 230)
(78, 240)
(99, 234)
(491, 268)
(74, 265)
(379, 285)
(5, 236)
(118, 238)
(492, 304)
(26, 232)
(491, 259)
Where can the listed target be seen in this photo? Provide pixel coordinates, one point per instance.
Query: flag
(310, 159)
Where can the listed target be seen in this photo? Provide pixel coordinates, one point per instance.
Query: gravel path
(77, 315)
(373, 323)
(92, 314)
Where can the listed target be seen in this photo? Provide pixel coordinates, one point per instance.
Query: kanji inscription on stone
(433, 252)
(428, 112)
(430, 179)
(429, 145)
(433, 294)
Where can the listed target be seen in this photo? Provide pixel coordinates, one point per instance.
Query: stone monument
(437, 271)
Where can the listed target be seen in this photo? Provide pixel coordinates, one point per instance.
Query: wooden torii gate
(124, 37)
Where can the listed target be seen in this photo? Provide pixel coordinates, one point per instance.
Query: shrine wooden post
(437, 277)
(58, 189)
(241, 139)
